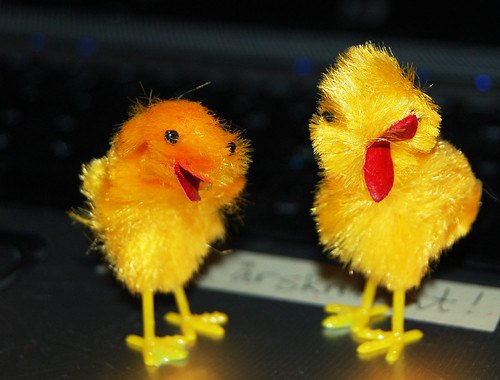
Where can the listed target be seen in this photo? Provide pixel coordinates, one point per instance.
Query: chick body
(435, 196)
(393, 194)
(152, 233)
(394, 241)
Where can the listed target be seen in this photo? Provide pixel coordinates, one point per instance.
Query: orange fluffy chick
(393, 194)
(157, 201)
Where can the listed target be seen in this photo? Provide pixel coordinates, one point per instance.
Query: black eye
(232, 148)
(171, 136)
(328, 116)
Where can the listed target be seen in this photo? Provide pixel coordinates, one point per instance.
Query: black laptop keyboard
(56, 114)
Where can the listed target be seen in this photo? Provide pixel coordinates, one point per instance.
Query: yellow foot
(386, 340)
(159, 350)
(207, 324)
(357, 317)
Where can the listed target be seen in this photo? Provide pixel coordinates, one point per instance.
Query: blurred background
(69, 71)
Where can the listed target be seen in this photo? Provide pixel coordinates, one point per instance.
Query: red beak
(189, 181)
(378, 168)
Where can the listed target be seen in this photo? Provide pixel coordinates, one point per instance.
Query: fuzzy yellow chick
(156, 202)
(393, 194)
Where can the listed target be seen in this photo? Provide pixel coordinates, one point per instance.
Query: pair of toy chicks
(392, 196)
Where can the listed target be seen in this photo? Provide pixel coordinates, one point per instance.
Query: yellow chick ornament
(156, 202)
(393, 194)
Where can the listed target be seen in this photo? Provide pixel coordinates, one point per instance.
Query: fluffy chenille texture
(160, 196)
(435, 196)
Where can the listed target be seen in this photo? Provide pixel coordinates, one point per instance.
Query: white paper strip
(306, 281)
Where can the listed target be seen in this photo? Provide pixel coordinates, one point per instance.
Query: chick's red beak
(189, 181)
(378, 168)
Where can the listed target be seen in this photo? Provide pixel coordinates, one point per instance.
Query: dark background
(69, 70)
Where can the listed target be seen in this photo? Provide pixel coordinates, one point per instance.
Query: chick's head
(367, 98)
(181, 147)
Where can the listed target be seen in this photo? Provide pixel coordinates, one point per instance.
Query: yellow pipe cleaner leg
(207, 324)
(401, 338)
(185, 315)
(366, 305)
(148, 321)
(395, 340)
(357, 317)
(155, 350)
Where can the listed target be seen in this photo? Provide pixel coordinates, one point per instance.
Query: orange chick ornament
(156, 202)
(393, 194)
